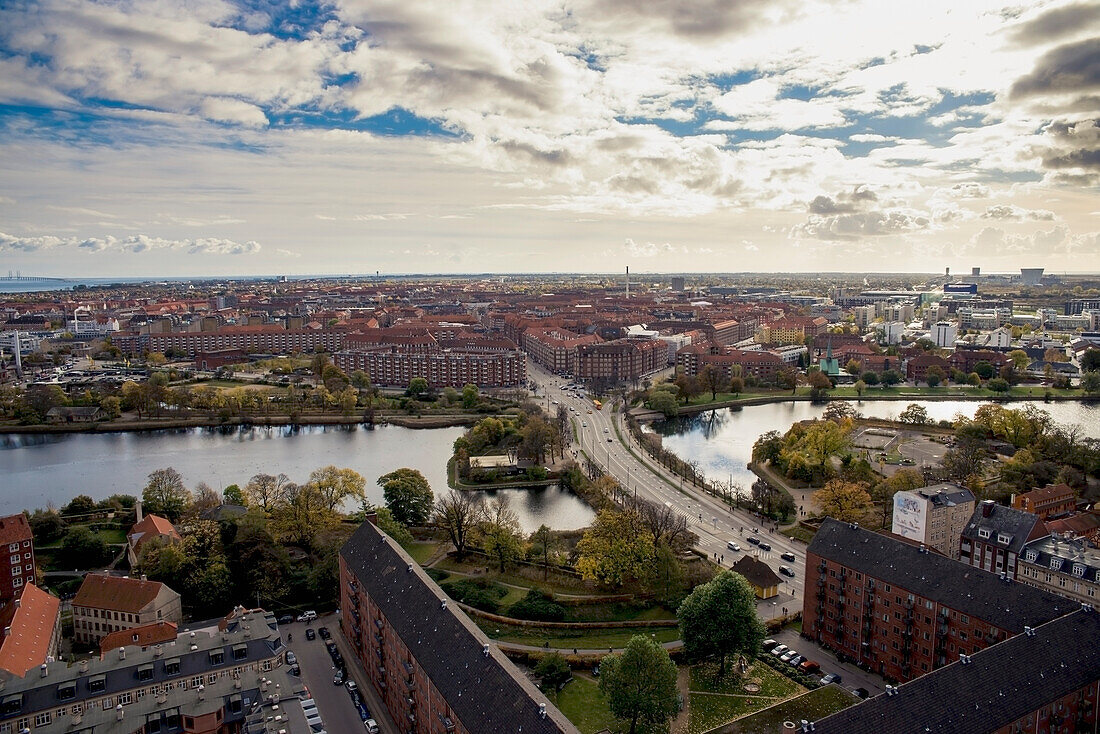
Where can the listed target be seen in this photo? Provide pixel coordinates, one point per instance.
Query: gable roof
(1018, 525)
(142, 636)
(29, 628)
(972, 591)
(15, 528)
(999, 685)
(486, 692)
(756, 572)
(116, 593)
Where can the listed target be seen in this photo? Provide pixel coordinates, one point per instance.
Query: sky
(149, 137)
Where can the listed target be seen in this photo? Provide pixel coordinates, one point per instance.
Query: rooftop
(28, 624)
(460, 660)
(756, 572)
(15, 528)
(117, 593)
(1006, 604)
(999, 685)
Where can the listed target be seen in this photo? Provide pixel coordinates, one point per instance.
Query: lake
(721, 441)
(36, 469)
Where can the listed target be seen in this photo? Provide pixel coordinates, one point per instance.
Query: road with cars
(603, 437)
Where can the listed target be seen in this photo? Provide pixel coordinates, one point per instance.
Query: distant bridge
(40, 279)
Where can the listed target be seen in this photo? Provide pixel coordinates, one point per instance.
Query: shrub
(479, 594)
(553, 670)
(537, 606)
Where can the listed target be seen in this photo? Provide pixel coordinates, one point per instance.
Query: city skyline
(145, 139)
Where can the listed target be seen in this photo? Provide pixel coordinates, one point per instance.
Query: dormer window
(1055, 564)
(983, 532)
(1078, 569)
(1030, 556)
(1004, 539)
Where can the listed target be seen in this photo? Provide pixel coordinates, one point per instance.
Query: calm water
(38, 469)
(721, 441)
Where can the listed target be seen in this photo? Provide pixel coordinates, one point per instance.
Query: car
(733, 546)
(765, 546)
(308, 616)
(768, 644)
(779, 650)
(584, 425)
(787, 656)
(338, 660)
(310, 634)
(291, 658)
(609, 439)
(754, 540)
(296, 669)
(786, 571)
(352, 687)
(795, 661)
(286, 619)
(372, 726)
(861, 692)
(324, 633)
(787, 556)
(830, 678)
(364, 712)
(338, 679)
(809, 666)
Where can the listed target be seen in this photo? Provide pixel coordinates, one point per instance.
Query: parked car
(786, 571)
(338, 679)
(733, 546)
(310, 634)
(372, 726)
(323, 631)
(787, 556)
(830, 678)
(861, 692)
(785, 657)
(765, 546)
(286, 619)
(352, 687)
(768, 644)
(809, 666)
(779, 650)
(307, 616)
(795, 661)
(291, 658)
(295, 669)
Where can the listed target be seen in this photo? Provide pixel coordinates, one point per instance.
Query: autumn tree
(165, 494)
(408, 495)
(615, 548)
(718, 619)
(882, 493)
(544, 547)
(459, 514)
(336, 485)
(712, 378)
(301, 515)
(500, 533)
(844, 501)
(266, 490)
(640, 685)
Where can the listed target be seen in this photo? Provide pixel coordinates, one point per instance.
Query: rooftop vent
(122, 653)
(409, 568)
(542, 710)
(443, 604)
(45, 670)
(1029, 631)
(485, 650)
(119, 713)
(964, 659)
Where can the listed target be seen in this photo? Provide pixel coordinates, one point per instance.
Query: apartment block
(1067, 567)
(17, 564)
(935, 516)
(1055, 499)
(995, 536)
(106, 604)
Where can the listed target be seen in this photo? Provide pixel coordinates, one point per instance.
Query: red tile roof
(14, 529)
(100, 591)
(29, 630)
(151, 526)
(145, 635)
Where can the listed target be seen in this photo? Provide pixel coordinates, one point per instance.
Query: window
(172, 667)
(240, 652)
(1003, 538)
(14, 558)
(16, 583)
(125, 698)
(145, 672)
(65, 691)
(196, 681)
(97, 683)
(13, 547)
(1078, 569)
(16, 571)
(42, 719)
(983, 532)
(108, 703)
(1055, 564)
(217, 657)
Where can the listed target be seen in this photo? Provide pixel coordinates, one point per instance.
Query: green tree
(165, 494)
(46, 526)
(860, 386)
(408, 495)
(82, 549)
(1090, 381)
(984, 370)
(737, 385)
(336, 485)
(233, 495)
(998, 384)
(712, 378)
(417, 386)
(718, 619)
(82, 504)
(470, 397)
(914, 413)
(544, 548)
(890, 378)
(615, 548)
(1020, 360)
(500, 533)
(844, 501)
(388, 523)
(301, 515)
(553, 670)
(640, 685)
(664, 402)
(1090, 360)
(768, 447)
(869, 378)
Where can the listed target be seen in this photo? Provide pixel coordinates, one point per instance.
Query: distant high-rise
(678, 284)
(1031, 276)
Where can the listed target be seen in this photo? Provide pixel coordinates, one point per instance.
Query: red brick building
(916, 369)
(903, 611)
(622, 359)
(764, 366)
(17, 568)
(1054, 499)
(434, 669)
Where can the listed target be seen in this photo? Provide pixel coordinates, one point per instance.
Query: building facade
(434, 669)
(106, 604)
(17, 567)
(621, 360)
(1069, 568)
(935, 516)
(1056, 499)
(995, 536)
(31, 626)
(903, 611)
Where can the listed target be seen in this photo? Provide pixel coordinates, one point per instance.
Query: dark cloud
(844, 202)
(1073, 145)
(1057, 23)
(1074, 67)
(692, 18)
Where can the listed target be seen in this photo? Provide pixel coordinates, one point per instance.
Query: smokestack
(137, 510)
(987, 507)
(628, 281)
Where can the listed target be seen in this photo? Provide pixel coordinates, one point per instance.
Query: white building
(934, 516)
(944, 333)
(999, 338)
(890, 333)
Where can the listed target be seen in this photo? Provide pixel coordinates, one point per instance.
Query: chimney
(122, 653)
(202, 692)
(987, 507)
(137, 510)
(119, 713)
(144, 577)
(45, 670)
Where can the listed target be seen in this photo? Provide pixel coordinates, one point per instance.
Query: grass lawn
(555, 583)
(422, 551)
(582, 703)
(812, 705)
(798, 533)
(565, 639)
(709, 710)
(717, 701)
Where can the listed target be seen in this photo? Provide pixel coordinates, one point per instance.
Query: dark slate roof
(999, 685)
(486, 692)
(946, 494)
(1007, 604)
(1001, 519)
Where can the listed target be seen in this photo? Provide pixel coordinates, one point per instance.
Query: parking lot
(333, 702)
(852, 677)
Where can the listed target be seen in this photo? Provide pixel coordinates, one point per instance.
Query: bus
(598, 404)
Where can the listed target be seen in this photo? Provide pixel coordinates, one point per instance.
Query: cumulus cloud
(650, 249)
(223, 109)
(862, 224)
(131, 244)
(1008, 211)
(1071, 68)
(970, 190)
(1057, 23)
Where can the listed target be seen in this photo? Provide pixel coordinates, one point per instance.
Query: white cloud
(131, 244)
(224, 109)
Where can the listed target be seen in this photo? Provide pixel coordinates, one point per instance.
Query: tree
(718, 619)
(165, 494)
(768, 447)
(984, 369)
(459, 514)
(882, 493)
(301, 515)
(470, 397)
(1090, 381)
(869, 378)
(615, 548)
(500, 533)
(47, 526)
(82, 549)
(82, 504)
(998, 384)
(408, 495)
(553, 670)
(737, 385)
(839, 410)
(205, 498)
(1090, 360)
(1020, 360)
(266, 490)
(664, 402)
(388, 524)
(890, 378)
(914, 413)
(844, 501)
(640, 684)
(544, 547)
(968, 456)
(712, 378)
(860, 386)
(336, 485)
(417, 386)
(233, 495)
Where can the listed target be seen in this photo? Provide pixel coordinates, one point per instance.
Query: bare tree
(266, 490)
(664, 524)
(459, 514)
